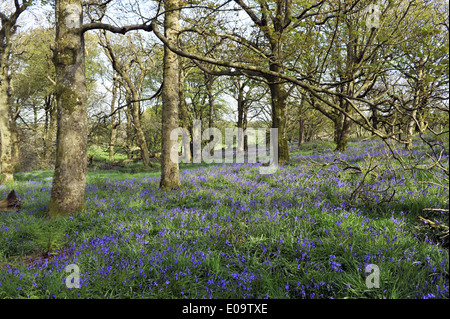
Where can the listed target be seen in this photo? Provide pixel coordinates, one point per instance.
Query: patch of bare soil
(36, 259)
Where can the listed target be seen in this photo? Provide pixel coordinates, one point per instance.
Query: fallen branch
(435, 209)
(436, 226)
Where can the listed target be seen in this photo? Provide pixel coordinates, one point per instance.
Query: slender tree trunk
(301, 129)
(301, 124)
(114, 123)
(374, 120)
(69, 182)
(45, 142)
(209, 90)
(412, 114)
(51, 129)
(170, 176)
(35, 127)
(184, 116)
(129, 129)
(142, 142)
(244, 126)
(240, 120)
(112, 141)
(15, 143)
(309, 133)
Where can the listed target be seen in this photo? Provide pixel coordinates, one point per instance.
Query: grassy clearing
(231, 232)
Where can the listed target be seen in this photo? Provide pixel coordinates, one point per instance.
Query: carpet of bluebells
(307, 231)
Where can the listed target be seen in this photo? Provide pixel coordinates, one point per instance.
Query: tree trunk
(170, 176)
(209, 90)
(301, 124)
(184, 116)
(51, 130)
(278, 99)
(69, 182)
(374, 120)
(344, 122)
(240, 120)
(301, 129)
(342, 131)
(15, 144)
(417, 101)
(245, 125)
(7, 30)
(114, 124)
(410, 129)
(7, 169)
(142, 142)
(46, 129)
(6, 160)
(342, 135)
(278, 96)
(129, 130)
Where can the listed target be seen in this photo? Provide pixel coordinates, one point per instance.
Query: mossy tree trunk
(343, 121)
(278, 98)
(6, 160)
(342, 127)
(67, 195)
(170, 176)
(69, 181)
(278, 92)
(7, 29)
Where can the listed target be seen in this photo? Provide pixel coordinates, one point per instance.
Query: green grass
(102, 154)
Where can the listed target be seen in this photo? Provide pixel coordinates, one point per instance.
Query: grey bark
(114, 123)
(69, 181)
(7, 30)
(170, 176)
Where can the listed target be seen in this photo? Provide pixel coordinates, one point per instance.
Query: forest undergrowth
(307, 231)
